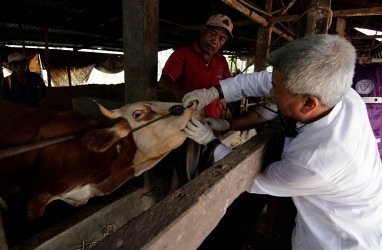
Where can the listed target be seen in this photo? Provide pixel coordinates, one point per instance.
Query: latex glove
(198, 132)
(216, 123)
(203, 96)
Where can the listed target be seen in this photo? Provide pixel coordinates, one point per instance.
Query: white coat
(332, 170)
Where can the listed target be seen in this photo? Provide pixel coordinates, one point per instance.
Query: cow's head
(155, 140)
(97, 162)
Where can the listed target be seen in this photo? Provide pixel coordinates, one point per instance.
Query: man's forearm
(167, 84)
(245, 121)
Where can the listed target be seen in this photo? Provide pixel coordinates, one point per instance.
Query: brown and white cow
(97, 162)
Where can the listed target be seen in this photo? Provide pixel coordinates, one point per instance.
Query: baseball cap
(15, 56)
(220, 20)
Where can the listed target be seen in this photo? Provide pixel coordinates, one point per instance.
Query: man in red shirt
(196, 66)
(199, 65)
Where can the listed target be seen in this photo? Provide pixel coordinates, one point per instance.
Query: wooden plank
(375, 11)
(83, 229)
(185, 218)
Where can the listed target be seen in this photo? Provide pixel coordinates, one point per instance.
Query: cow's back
(22, 125)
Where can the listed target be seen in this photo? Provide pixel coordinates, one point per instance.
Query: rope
(174, 110)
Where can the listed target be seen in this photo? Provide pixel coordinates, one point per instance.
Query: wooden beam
(252, 15)
(186, 217)
(376, 11)
(84, 228)
(255, 17)
(285, 10)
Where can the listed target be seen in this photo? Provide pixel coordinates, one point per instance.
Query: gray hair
(319, 65)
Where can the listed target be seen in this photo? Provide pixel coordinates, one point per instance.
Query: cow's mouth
(192, 105)
(190, 111)
(195, 113)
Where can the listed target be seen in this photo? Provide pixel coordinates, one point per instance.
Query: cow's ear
(100, 140)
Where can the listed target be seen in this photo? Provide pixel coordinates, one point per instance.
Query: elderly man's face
(213, 38)
(288, 104)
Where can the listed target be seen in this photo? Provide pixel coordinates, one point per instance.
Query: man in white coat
(330, 165)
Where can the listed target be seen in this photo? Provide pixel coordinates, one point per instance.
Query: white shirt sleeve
(283, 178)
(244, 85)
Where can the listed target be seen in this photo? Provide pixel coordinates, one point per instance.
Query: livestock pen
(132, 217)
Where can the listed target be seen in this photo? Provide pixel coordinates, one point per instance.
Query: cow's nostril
(176, 110)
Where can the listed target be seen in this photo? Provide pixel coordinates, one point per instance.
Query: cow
(99, 157)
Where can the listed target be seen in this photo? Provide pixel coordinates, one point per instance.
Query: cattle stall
(135, 216)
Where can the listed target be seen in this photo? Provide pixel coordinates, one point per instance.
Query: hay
(106, 231)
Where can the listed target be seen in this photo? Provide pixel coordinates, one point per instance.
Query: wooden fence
(181, 220)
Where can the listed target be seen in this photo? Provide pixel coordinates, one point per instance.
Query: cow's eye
(137, 113)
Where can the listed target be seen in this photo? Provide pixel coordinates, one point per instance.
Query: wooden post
(140, 44)
(315, 17)
(47, 59)
(263, 42)
(69, 75)
(341, 26)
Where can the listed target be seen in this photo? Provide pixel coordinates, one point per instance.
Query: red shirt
(187, 66)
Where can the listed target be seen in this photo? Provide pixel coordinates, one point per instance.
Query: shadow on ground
(247, 226)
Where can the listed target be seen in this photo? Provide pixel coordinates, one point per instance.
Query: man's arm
(167, 84)
(245, 121)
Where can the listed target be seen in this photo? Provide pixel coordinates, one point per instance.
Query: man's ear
(309, 104)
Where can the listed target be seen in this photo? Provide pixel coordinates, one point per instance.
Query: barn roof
(93, 24)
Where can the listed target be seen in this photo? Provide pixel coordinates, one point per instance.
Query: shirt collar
(326, 120)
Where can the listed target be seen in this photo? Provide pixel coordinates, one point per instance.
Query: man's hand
(203, 96)
(216, 123)
(198, 132)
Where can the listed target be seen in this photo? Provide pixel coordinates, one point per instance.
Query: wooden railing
(182, 220)
(186, 217)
